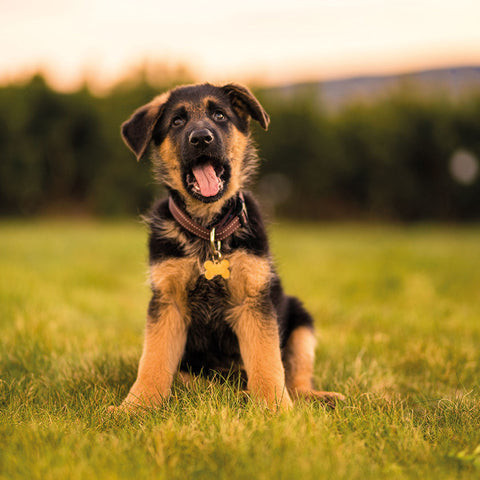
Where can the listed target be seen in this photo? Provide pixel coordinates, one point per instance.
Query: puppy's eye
(219, 116)
(178, 121)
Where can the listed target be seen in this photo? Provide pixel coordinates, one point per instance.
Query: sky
(260, 41)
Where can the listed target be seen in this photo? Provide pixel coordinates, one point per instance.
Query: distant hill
(453, 81)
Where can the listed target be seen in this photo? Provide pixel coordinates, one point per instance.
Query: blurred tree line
(405, 156)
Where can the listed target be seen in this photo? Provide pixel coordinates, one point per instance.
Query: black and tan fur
(197, 325)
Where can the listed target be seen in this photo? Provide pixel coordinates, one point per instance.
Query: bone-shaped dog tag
(212, 269)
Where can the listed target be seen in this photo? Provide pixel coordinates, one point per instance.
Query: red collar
(235, 218)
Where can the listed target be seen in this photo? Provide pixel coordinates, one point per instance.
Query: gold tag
(212, 269)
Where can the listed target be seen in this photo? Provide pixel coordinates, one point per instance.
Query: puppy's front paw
(125, 407)
(330, 399)
(137, 401)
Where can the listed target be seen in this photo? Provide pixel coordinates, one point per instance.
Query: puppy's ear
(245, 103)
(137, 131)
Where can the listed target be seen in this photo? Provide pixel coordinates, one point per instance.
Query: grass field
(398, 317)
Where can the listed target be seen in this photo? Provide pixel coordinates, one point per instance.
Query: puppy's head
(199, 139)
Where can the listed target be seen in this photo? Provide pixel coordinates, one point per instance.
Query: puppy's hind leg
(299, 358)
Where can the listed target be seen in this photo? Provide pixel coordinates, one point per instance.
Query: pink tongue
(207, 180)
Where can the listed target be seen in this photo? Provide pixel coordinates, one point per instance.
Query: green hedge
(386, 159)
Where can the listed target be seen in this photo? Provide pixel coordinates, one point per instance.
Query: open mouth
(206, 182)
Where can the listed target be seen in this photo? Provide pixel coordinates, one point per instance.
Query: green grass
(398, 317)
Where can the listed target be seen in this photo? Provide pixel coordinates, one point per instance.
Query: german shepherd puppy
(217, 301)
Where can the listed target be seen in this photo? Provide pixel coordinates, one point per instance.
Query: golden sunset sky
(268, 41)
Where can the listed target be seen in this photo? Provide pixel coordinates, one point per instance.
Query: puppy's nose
(201, 137)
